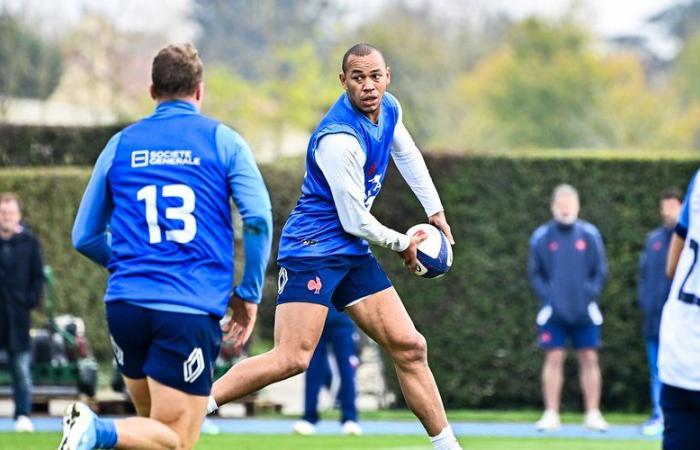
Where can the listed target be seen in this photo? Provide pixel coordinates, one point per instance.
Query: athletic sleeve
(643, 290)
(253, 202)
(536, 270)
(684, 218)
(599, 267)
(411, 165)
(341, 159)
(91, 235)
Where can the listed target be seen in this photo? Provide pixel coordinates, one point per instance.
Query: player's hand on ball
(238, 330)
(410, 254)
(438, 220)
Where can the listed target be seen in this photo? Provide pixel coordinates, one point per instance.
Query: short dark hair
(361, 49)
(176, 71)
(672, 193)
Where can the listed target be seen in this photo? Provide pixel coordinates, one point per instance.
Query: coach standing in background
(21, 285)
(567, 270)
(653, 289)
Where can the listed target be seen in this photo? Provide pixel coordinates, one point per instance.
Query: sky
(606, 17)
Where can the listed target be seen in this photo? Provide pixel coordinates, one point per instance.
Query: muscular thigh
(384, 318)
(178, 410)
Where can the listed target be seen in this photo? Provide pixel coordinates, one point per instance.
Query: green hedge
(39, 145)
(479, 320)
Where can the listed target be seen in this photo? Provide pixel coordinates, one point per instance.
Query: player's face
(10, 216)
(565, 208)
(365, 81)
(669, 208)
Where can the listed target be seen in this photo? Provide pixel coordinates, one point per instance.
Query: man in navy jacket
(21, 287)
(567, 270)
(653, 290)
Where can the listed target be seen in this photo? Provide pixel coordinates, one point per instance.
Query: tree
(244, 35)
(29, 66)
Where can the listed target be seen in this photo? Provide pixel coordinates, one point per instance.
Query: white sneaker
(24, 425)
(595, 422)
(209, 427)
(352, 428)
(304, 428)
(550, 421)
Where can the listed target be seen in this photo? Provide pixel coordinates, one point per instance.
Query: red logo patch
(553, 246)
(545, 337)
(581, 245)
(315, 285)
(371, 170)
(657, 246)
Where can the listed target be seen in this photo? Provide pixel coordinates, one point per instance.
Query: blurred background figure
(21, 285)
(339, 333)
(653, 289)
(567, 271)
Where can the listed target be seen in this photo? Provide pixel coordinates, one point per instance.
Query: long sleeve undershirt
(341, 159)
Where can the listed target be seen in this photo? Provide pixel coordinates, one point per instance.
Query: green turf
(42, 441)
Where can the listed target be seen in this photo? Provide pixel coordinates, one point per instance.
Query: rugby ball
(434, 254)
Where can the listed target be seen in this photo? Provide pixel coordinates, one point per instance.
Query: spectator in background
(340, 333)
(567, 270)
(21, 285)
(653, 289)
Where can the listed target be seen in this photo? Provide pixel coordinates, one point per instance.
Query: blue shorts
(339, 284)
(554, 335)
(681, 418)
(175, 349)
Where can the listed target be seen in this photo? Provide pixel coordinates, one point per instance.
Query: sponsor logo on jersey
(553, 246)
(145, 158)
(315, 285)
(193, 367)
(657, 246)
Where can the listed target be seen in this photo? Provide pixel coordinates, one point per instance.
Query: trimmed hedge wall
(38, 145)
(480, 319)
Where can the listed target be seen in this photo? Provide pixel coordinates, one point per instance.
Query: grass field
(43, 441)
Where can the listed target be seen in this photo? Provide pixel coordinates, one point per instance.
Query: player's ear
(343, 80)
(152, 91)
(199, 91)
(388, 74)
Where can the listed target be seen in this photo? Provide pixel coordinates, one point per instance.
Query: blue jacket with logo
(654, 285)
(567, 270)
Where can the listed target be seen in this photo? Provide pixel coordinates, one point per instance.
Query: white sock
(211, 405)
(446, 440)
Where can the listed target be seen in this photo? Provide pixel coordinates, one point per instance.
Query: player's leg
(654, 382)
(590, 378)
(315, 378)
(383, 317)
(586, 341)
(139, 394)
(553, 378)
(552, 339)
(343, 343)
(298, 326)
(681, 410)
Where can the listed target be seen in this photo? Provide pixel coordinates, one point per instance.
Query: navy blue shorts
(681, 418)
(554, 335)
(175, 349)
(337, 285)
